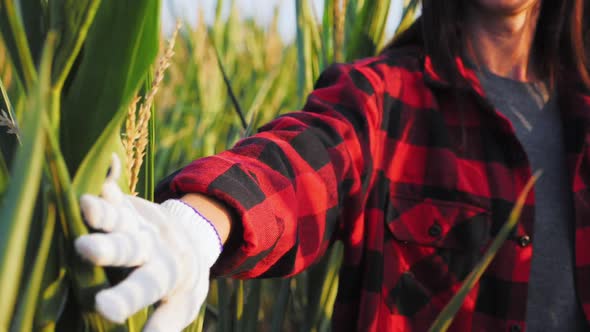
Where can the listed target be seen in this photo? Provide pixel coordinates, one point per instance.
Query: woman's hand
(172, 246)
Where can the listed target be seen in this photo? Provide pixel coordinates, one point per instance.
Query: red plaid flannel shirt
(413, 176)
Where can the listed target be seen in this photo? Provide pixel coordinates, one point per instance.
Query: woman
(413, 159)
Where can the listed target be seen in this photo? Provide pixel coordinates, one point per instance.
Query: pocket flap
(438, 223)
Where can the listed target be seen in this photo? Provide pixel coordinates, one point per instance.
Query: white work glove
(172, 246)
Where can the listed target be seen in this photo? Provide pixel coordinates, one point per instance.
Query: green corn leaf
(332, 51)
(52, 303)
(121, 45)
(34, 13)
(229, 87)
(321, 279)
(19, 201)
(252, 305)
(137, 321)
(73, 18)
(23, 320)
(128, 32)
(445, 318)
(8, 141)
(197, 325)
(261, 96)
(325, 323)
(280, 308)
(93, 322)
(368, 29)
(239, 306)
(87, 279)
(352, 7)
(408, 15)
(69, 210)
(304, 50)
(224, 294)
(4, 176)
(218, 27)
(5, 103)
(315, 37)
(230, 33)
(379, 22)
(14, 35)
(53, 297)
(92, 172)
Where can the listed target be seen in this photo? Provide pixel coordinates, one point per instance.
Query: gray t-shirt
(552, 304)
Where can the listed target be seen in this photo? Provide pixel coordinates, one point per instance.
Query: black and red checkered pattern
(414, 177)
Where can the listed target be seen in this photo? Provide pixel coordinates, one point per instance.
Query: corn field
(82, 79)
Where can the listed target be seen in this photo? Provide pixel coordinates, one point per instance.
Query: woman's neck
(502, 42)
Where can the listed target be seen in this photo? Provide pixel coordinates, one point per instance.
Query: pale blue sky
(261, 9)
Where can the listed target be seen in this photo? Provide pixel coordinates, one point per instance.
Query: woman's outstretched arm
(284, 190)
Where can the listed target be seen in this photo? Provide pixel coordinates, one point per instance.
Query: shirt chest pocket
(437, 223)
(430, 247)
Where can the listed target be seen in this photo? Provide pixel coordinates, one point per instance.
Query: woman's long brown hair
(560, 45)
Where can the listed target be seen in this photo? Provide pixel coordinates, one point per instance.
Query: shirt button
(435, 230)
(515, 328)
(524, 241)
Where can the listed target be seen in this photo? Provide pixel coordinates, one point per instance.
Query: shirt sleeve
(290, 183)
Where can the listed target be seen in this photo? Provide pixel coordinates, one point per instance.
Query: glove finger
(98, 213)
(115, 249)
(110, 189)
(176, 313)
(112, 193)
(141, 288)
(114, 169)
(102, 215)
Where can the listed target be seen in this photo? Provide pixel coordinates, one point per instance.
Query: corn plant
(77, 65)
